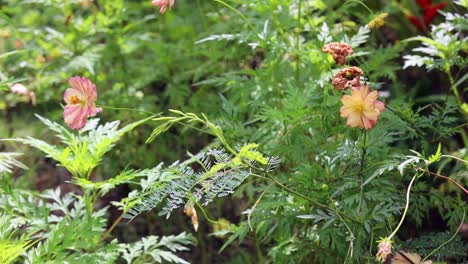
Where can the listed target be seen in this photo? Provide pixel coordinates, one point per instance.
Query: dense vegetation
(229, 131)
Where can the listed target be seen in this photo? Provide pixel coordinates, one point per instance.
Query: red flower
(429, 13)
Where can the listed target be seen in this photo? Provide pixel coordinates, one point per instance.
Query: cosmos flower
(163, 4)
(347, 77)
(22, 90)
(339, 50)
(429, 13)
(80, 100)
(361, 108)
(384, 250)
(18, 88)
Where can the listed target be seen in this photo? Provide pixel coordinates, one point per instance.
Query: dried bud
(347, 77)
(385, 249)
(377, 21)
(190, 211)
(339, 50)
(18, 44)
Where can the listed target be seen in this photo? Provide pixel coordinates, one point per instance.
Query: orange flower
(361, 108)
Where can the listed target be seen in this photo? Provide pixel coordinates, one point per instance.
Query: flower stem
(107, 233)
(298, 44)
(406, 206)
(363, 155)
(446, 178)
(450, 239)
(240, 14)
(127, 109)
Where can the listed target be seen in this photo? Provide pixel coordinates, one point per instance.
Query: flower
(361, 108)
(429, 13)
(347, 77)
(80, 101)
(163, 4)
(378, 21)
(20, 89)
(339, 50)
(385, 249)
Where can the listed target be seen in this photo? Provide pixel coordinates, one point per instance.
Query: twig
(255, 205)
(107, 233)
(450, 239)
(445, 177)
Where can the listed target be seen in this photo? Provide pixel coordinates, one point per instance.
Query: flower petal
(75, 116)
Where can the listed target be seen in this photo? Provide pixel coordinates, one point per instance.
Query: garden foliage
(275, 131)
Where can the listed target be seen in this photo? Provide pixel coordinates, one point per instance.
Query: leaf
(436, 156)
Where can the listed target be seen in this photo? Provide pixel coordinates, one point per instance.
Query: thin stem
(240, 14)
(446, 178)
(298, 44)
(453, 157)
(117, 221)
(292, 191)
(363, 156)
(417, 130)
(204, 213)
(127, 109)
(453, 87)
(450, 239)
(361, 3)
(406, 206)
(256, 203)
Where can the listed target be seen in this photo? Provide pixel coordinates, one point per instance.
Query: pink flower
(361, 108)
(339, 50)
(347, 77)
(20, 89)
(80, 101)
(163, 4)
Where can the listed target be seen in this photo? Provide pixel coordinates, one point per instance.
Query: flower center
(74, 100)
(359, 107)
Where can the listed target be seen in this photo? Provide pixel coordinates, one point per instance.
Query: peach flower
(80, 101)
(361, 108)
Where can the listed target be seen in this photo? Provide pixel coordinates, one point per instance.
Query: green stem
(298, 44)
(363, 156)
(417, 130)
(204, 213)
(240, 14)
(406, 206)
(256, 203)
(127, 109)
(448, 241)
(361, 3)
(107, 233)
(453, 87)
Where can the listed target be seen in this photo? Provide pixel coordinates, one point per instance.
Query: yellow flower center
(74, 100)
(359, 107)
